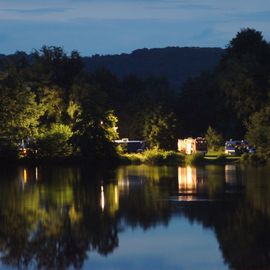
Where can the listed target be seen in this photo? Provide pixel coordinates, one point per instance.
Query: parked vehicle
(191, 145)
(238, 147)
(131, 146)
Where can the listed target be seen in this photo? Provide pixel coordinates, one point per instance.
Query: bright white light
(102, 199)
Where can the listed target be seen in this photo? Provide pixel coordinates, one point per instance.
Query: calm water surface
(135, 217)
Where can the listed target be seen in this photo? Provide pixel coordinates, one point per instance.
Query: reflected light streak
(187, 179)
(230, 174)
(36, 173)
(25, 176)
(102, 199)
(186, 198)
(116, 196)
(123, 185)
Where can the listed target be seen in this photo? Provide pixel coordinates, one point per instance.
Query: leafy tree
(52, 104)
(55, 66)
(214, 139)
(200, 104)
(20, 113)
(95, 136)
(136, 97)
(243, 75)
(248, 42)
(73, 111)
(258, 131)
(55, 141)
(109, 125)
(159, 129)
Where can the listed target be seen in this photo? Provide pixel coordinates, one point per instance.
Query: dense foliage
(234, 98)
(214, 140)
(52, 100)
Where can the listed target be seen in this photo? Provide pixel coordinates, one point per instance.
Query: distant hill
(175, 63)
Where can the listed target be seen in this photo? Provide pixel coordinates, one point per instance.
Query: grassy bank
(153, 157)
(159, 157)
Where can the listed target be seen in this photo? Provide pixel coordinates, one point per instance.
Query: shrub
(214, 139)
(131, 158)
(172, 157)
(54, 142)
(154, 156)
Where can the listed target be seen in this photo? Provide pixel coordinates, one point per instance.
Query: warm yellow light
(24, 176)
(187, 179)
(116, 195)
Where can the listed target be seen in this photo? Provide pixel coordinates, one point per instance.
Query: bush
(55, 142)
(214, 139)
(154, 156)
(131, 158)
(173, 157)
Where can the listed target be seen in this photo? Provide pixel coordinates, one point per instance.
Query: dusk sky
(117, 26)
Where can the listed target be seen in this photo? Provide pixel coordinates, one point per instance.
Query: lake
(135, 217)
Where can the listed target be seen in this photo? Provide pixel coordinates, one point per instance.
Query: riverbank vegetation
(154, 156)
(160, 157)
(57, 109)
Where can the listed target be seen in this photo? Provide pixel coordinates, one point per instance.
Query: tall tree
(20, 113)
(258, 131)
(243, 74)
(159, 129)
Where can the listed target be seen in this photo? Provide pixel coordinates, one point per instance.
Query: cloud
(181, 10)
(35, 10)
(122, 25)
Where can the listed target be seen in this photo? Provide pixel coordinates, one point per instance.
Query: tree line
(49, 99)
(234, 98)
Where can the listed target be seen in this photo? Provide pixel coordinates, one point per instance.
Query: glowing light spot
(187, 179)
(36, 173)
(25, 176)
(102, 199)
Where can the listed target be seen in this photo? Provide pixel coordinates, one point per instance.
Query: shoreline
(149, 157)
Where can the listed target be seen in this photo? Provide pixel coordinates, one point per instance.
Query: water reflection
(109, 198)
(56, 217)
(233, 175)
(102, 199)
(191, 182)
(187, 179)
(36, 173)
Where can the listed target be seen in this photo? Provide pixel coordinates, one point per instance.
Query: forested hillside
(174, 63)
